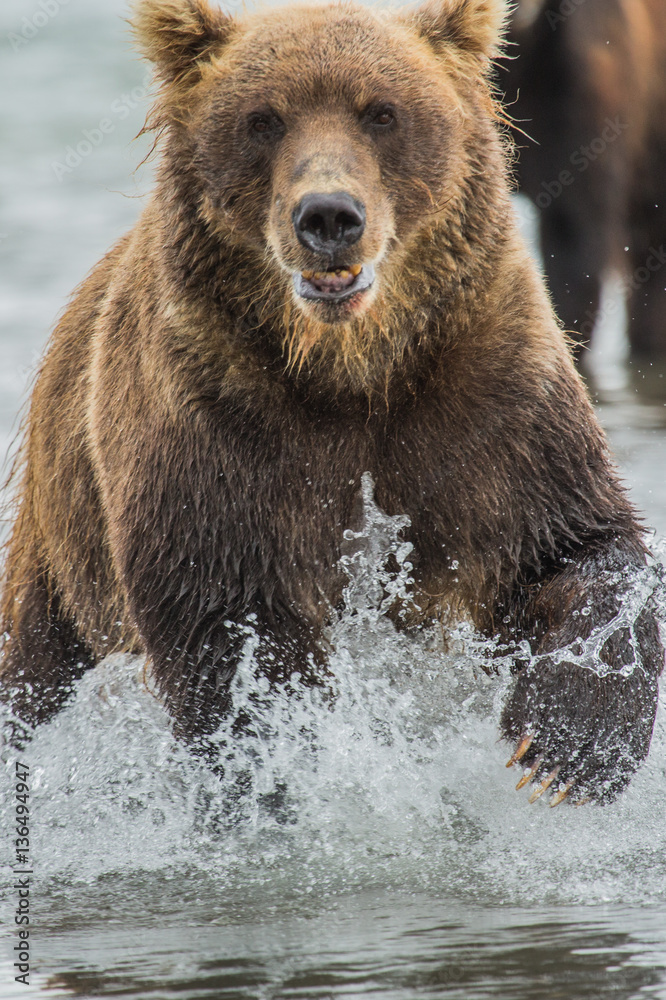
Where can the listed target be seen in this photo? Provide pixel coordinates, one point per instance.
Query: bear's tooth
(308, 275)
(356, 269)
(344, 274)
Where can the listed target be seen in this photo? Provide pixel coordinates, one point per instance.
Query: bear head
(331, 142)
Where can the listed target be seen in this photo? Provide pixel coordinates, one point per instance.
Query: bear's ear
(175, 34)
(474, 26)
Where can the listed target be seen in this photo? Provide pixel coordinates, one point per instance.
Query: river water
(372, 846)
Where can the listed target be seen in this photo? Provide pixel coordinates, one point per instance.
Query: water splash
(372, 587)
(397, 781)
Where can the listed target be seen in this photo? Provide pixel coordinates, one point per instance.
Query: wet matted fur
(198, 430)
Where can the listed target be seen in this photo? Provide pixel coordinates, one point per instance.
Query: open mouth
(334, 286)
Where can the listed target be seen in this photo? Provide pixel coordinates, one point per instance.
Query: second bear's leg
(575, 254)
(646, 302)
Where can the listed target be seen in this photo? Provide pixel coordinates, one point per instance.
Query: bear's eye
(380, 116)
(265, 125)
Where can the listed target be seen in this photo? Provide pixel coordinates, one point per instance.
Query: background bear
(328, 280)
(587, 83)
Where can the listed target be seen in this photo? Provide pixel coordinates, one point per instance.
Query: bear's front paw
(580, 732)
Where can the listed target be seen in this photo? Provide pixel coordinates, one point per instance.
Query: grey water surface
(375, 846)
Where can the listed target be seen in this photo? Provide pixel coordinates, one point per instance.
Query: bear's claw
(595, 726)
(545, 785)
(531, 773)
(562, 795)
(520, 751)
(527, 777)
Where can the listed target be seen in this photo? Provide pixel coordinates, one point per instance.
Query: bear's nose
(326, 223)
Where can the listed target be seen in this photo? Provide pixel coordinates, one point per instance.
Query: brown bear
(587, 82)
(327, 281)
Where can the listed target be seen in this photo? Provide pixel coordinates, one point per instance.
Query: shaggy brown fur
(587, 81)
(198, 430)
